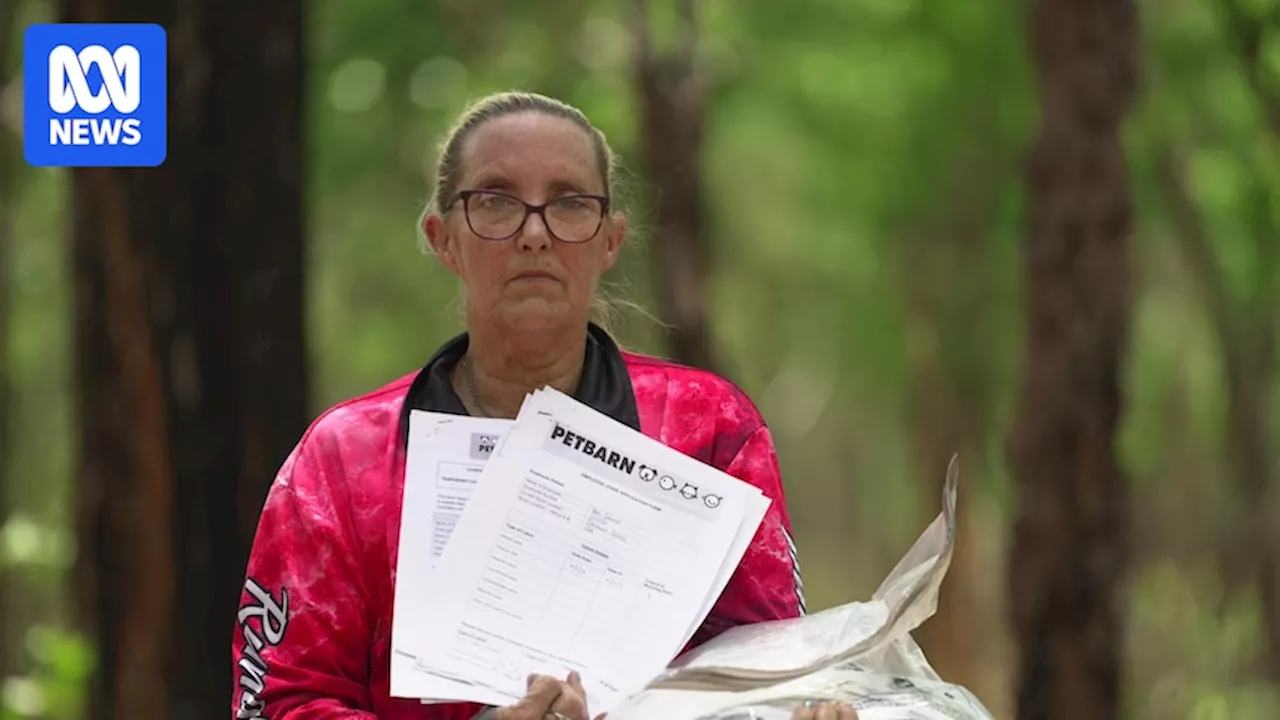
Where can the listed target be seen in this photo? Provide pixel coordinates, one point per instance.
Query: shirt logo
(94, 95)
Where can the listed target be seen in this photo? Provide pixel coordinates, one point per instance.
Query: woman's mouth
(535, 275)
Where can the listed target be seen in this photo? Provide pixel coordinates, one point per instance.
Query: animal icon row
(666, 482)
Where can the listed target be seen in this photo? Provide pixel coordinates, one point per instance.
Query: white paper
(430, 689)
(586, 547)
(445, 457)
(449, 464)
(755, 506)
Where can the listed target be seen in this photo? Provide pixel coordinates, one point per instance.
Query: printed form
(445, 458)
(585, 546)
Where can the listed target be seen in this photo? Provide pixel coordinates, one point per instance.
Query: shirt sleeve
(302, 641)
(767, 584)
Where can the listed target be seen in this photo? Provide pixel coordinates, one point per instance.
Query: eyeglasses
(498, 216)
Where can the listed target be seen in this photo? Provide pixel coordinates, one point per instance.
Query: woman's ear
(441, 241)
(615, 233)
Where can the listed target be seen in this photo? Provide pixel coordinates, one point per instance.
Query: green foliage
(55, 690)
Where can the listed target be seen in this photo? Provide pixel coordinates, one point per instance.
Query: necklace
(471, 388)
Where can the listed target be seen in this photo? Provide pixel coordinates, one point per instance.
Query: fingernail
(573, 676)
(528, 683)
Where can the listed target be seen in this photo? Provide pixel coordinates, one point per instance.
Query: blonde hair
(605, 308)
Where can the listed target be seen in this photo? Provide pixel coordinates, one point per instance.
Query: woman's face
(530, 281)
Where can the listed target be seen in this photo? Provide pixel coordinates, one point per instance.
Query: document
(756, 505)
(585, 546)
(445, 458)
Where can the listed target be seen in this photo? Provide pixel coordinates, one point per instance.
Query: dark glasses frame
(530, 209)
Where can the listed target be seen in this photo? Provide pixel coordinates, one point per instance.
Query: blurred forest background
(910, 232)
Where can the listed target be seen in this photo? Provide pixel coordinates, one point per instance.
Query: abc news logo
(69, 90)
(95, 94)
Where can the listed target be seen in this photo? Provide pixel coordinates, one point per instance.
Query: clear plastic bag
(874, 695)
(894, 684)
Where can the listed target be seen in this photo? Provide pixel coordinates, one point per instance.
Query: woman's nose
(534, 234)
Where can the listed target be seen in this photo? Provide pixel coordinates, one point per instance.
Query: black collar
(605, 384)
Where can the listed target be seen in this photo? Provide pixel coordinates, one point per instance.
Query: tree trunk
(189, 352)
(1070, 544)
(672, 98)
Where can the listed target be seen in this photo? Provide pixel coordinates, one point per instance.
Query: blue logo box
(95, 95)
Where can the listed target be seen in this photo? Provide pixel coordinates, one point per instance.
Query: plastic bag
(861, 653)
(874, 695)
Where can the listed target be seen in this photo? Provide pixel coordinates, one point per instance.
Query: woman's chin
(535, 313)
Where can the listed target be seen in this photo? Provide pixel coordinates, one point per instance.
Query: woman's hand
(824, 710)
(546, 698)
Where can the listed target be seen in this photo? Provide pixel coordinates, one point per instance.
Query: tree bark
(672, 96)
(1070, 544)
(189, 352)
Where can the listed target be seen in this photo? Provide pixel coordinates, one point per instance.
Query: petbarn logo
(94, 95)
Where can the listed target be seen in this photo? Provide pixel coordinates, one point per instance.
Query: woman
(523, 213)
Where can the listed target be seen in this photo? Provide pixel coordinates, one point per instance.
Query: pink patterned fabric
(312, 640)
